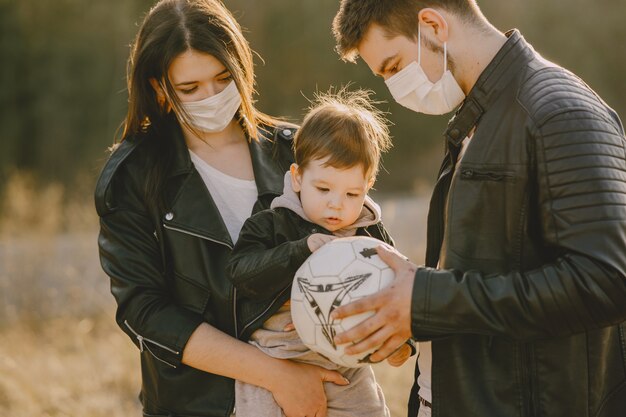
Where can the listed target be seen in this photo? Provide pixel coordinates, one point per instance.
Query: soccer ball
(341, 271)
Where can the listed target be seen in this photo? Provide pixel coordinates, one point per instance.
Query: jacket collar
(267, 174)
(496, 77)
(193, 210)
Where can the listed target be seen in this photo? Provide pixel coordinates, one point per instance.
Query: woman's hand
(317, 240)
(298, 388)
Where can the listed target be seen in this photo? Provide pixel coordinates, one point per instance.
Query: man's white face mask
(214, 113)
(412, 89)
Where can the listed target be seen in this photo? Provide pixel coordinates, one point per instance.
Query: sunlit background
(62, 98)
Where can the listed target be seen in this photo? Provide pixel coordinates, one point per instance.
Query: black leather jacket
(270, 249)
(167, 268)
(527, 314)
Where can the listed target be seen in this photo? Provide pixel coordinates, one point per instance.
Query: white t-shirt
(425, 357)
(233, 197)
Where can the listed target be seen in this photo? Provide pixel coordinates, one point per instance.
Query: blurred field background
(63, 97)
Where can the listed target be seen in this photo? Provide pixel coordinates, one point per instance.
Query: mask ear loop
(419, 44)
(419, 50)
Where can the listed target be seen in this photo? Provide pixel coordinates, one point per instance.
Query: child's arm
(264, 259)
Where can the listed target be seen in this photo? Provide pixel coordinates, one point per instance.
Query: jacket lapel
(268, 175)
(193, 209)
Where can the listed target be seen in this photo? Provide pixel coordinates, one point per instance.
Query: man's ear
(296, 177)
(434, 23)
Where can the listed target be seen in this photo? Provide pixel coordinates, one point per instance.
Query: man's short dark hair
(398, 17)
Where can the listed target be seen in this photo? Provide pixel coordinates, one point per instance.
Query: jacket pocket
(190, 294)
(484, 213)
(486, 175)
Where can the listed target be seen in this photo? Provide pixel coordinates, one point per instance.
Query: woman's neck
(200, 142)
(226, 151)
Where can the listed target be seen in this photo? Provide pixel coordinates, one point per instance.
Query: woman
(196, 158)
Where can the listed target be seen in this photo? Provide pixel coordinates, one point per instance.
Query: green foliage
(63, 68)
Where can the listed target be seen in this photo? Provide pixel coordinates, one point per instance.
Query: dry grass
(68, 367)
(61, 353)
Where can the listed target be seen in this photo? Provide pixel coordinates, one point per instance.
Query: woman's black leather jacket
(167, 266)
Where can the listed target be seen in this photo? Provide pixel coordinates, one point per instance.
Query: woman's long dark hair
(170, 28)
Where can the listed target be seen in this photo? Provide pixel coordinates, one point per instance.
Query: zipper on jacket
(143, 346)
(235, 310)
(220, 243)
(198, 235)
(264, 311)
(435, 229)
(471, 174)
(527, 378)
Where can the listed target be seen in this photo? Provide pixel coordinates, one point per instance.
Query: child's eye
(322, 189)
(353, 195)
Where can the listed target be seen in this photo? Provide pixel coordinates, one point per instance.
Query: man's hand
(317, 240)
(400, 356)
(390, 327)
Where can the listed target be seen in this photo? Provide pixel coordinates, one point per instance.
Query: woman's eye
(189, 90)
(226, 79)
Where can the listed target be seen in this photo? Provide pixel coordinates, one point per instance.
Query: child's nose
(335, 202)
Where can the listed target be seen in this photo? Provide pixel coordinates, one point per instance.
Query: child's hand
(317, 240)
(400, 356)
(290, 326)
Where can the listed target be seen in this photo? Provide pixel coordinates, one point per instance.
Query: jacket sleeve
(384, 235)
(264, 261)
(582, 206)
(130, 256)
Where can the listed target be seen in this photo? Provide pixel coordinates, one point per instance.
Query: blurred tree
(63, 67)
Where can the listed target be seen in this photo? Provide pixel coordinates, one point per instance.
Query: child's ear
(296, 177)
(370, 183)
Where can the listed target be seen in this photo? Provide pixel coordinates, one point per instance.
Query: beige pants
(362, 397)
(424, 411)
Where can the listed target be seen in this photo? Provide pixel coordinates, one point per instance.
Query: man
(522, 302)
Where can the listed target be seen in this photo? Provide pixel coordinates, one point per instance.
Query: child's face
(331, 197)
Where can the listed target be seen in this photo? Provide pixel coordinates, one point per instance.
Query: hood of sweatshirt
(370, 213)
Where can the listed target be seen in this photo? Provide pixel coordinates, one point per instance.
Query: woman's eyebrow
(225, 71)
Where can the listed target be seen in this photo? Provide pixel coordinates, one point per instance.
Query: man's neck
(479, 50)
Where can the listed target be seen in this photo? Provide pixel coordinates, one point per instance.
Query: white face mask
(214, 113)
(412, 89)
